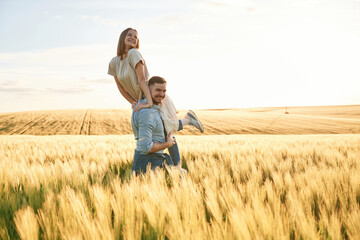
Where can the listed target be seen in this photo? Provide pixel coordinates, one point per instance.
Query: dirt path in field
(27, 126)
(83, 123)
(85, 128)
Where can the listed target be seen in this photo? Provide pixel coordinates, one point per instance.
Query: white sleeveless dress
(124, 70)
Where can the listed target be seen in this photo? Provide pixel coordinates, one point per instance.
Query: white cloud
(110, 22)
(95, 81)
(56, 67)
(92, 18)
(8, 83)
(139, 5)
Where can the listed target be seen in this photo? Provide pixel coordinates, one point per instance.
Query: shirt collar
(154, 106)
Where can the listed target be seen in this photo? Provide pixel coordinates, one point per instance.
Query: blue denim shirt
(147, 127)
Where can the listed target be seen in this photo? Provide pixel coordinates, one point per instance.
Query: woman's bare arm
(140, 73)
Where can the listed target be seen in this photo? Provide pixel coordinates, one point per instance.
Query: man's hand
(142, 105)
(170, 139)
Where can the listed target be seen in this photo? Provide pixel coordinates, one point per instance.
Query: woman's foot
(194, 120)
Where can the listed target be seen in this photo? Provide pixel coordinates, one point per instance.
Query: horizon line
(205, 109)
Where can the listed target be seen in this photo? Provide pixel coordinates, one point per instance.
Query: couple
(154, 117)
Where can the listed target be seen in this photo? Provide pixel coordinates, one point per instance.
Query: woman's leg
(181, 126)
(174, 150)
(191, 119)
(175, 154)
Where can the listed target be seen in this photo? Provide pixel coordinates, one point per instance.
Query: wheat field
(300, 120)
(237, 187)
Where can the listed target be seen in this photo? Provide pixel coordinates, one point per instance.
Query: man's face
(157, 92)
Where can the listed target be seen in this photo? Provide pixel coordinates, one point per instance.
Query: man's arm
(160, 146)
(147, 123)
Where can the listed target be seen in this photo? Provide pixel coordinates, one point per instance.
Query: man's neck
(154, 103)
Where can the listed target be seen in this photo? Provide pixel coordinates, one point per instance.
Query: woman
(131, 76)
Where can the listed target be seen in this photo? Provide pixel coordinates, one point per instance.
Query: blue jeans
(175, 154)
(174, 150)
(154, 159)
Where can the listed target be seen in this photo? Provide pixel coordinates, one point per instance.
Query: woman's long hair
(121, 43)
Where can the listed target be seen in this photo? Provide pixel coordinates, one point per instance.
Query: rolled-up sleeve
(147, 124)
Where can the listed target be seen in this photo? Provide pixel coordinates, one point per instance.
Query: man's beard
(158, 103)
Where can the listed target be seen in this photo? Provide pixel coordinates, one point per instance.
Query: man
(149, 131)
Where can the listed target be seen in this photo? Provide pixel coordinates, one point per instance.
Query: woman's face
(131, 39)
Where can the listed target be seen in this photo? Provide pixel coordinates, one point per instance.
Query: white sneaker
(194, 121)
(183, 172)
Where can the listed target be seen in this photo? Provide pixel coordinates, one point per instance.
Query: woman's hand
(133, 104)
(142, 105)
(170, 139)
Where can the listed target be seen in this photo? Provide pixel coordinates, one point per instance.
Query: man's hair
(156, 79)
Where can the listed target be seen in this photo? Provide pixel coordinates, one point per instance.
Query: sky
(213, 54)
